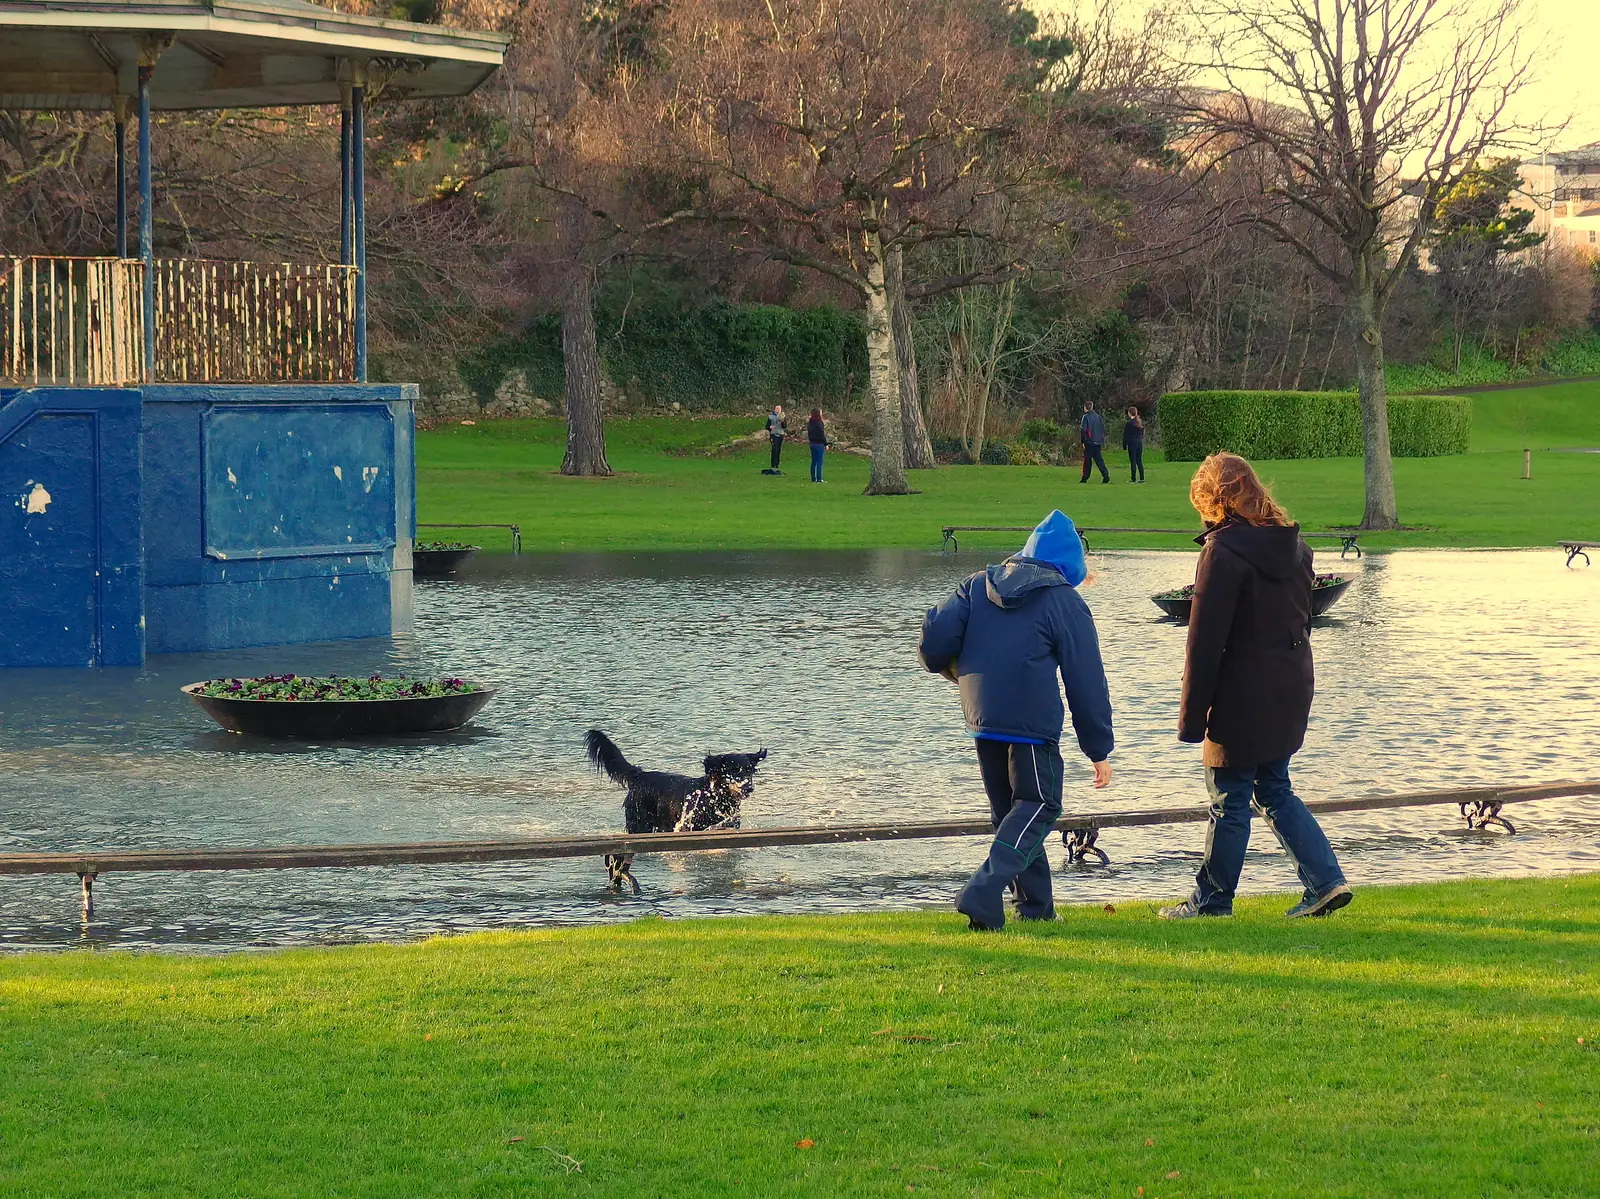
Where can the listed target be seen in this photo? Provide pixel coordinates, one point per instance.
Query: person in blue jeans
(1247, 688)
(817, 440)
(1003, 637)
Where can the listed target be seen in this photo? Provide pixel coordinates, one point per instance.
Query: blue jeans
(816, 462)
(1023, 783)
(1227, 838)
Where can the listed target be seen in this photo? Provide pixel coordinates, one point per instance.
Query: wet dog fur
(658, 801)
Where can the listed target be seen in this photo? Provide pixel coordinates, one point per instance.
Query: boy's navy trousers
(1024, 787)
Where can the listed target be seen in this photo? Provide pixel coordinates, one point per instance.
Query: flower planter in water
(1325, 592)
(320, 713)
(439, 559)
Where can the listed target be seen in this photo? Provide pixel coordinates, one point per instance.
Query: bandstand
(191, 456)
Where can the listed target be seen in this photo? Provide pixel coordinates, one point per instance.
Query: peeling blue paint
(70, 550)
(202, 517)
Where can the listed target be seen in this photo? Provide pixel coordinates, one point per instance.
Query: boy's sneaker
(1331, 900)
(1187, 911)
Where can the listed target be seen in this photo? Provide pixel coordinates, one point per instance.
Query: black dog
(659, 802)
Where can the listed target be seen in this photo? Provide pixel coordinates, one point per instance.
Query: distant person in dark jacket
(817, 440)
(1003, 637)
(776, 430)
(1133, 442)
(1092, 432)
(1247, 687)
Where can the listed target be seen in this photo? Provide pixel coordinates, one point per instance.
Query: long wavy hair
(1225, 486)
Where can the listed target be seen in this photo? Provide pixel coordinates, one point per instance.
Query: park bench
(1346, 537)
(1577, 549)
(516, 532)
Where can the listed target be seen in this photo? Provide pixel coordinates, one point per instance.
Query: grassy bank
(663, 498)
(1437, 1040)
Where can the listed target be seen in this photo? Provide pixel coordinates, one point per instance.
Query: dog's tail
(607, 757)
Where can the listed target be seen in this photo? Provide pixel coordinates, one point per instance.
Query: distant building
(1563, 189)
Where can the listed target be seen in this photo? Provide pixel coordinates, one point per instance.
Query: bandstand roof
(81, 54)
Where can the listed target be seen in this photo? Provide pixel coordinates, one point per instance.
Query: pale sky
(1569, 70)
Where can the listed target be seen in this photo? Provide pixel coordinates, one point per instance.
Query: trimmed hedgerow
(1306, 424)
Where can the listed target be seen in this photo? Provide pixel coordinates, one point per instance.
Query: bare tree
(914, 427)
(834, 131)
(1355, 118)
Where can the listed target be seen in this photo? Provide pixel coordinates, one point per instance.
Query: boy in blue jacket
(1002, 637)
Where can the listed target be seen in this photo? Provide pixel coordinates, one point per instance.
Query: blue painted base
(202, 517)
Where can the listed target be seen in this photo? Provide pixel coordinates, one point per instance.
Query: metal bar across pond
(292, 857)
(1346, 538)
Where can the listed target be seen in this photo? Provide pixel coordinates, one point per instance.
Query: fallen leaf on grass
(513, 1140)
(1109, 908)
(883, 1032)
(1172, 1173)
(1149, 1143)
(805, 1143)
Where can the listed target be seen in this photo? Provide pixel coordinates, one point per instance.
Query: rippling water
(1437, 669)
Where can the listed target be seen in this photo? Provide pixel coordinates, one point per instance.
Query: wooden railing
(253, 322)
(73, 321)
(79, 321)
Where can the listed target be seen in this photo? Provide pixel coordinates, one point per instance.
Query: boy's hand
(1102, 774)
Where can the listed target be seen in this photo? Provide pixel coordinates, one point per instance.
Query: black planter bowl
(439, 564)
(340, 719)
(1322, 598)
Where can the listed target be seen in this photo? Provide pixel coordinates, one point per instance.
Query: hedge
(1306, 424)
(664, 343)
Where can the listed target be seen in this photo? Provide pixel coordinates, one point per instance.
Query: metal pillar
(345, 249)
(121, 110)
(147, 226)
(358, 205)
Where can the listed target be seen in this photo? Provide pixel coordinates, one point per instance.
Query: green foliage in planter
(1306, 424)
(442, 547)
(299, 687)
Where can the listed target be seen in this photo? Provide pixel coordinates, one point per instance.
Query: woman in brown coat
(1247, 687)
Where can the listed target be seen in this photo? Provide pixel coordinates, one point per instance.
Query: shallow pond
(1437, 669)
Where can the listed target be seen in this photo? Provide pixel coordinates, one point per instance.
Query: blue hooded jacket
(1007, 631)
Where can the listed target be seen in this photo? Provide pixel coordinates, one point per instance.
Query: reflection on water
(1436, 669)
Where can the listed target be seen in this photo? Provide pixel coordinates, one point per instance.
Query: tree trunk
(888, 475)
(918, 448)
(580, 357)
(1378, 469)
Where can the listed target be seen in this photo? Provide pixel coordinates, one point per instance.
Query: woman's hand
(1102, 774)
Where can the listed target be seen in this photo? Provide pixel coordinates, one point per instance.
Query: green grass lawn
(505, 471)
(1433, 1040)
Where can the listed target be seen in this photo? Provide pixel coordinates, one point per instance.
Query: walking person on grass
(1003, 637)
(817, 441)
(1092, 432)
(1247, 687)
(1133, 442)
(776, 430)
